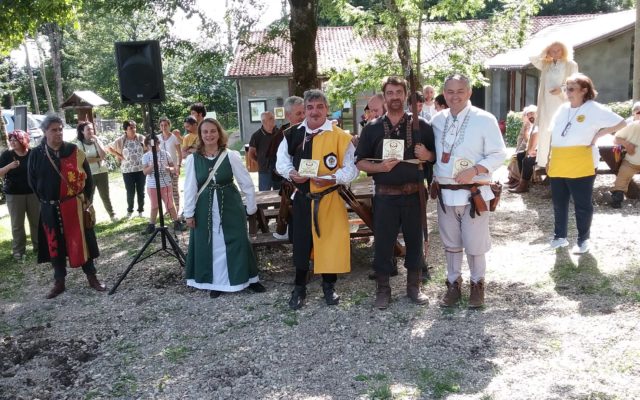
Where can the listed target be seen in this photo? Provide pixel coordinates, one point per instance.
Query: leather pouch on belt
(433, 190)
(478, 202)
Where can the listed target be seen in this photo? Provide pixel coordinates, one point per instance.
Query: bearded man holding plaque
(318, 157)
(469, 148)
(391, 152)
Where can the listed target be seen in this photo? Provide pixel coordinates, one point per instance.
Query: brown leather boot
(453, 294)
(58, 288)
(95, 283)
(476, 298)
(414, 281)
(523, 187)
(383, 291)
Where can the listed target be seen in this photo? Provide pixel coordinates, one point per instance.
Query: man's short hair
(394, 80)
(264, 114)
(459, 77)
(636, 106)
(292, 101)
(190, 120)
(199, 108)
(315, 94)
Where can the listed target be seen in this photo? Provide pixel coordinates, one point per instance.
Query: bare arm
(374, 168)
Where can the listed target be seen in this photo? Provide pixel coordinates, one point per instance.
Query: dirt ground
(556, 326)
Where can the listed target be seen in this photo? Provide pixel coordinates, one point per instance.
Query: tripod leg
(133, 262)
(179, 253)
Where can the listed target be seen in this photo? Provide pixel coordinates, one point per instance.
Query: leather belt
(397, 190)
(316, 197)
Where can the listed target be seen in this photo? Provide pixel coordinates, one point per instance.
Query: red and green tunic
(62, 233)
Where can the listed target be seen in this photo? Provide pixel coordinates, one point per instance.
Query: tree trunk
(43, 72)
(55, 41)
(32, 82)
(404, 50)
(636, 55)
(303, 28)
(4, 143)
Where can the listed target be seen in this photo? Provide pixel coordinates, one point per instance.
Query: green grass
(176, 354)
(11, 272)
(126, 385)
(440, 383)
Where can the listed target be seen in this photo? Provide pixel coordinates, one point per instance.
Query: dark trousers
(519, 157)
(390, 213)
(528, 164)
(303, 240)
(266, 182)
(134, 184)
(581, 191)
(60, 269)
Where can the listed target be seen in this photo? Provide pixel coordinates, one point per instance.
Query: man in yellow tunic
(318, 157)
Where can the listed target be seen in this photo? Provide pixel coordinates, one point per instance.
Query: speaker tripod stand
(174, 250)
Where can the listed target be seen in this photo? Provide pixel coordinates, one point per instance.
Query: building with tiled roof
(265, 79)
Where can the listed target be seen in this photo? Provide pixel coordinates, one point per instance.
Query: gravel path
(557, 326)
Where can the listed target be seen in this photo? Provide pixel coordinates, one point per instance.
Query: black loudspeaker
(140, 72)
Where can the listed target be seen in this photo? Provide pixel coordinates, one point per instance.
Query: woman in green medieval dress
(220, 257)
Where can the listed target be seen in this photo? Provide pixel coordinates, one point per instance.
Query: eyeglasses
(569, 89)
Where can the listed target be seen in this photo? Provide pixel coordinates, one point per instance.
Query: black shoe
(178, 226)
(617, 197)
(298, 297)
(214, 294)
(330, 295)
(149, 230)
(257, 287)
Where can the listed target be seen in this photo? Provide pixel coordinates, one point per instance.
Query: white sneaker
(129, 215)
(581, 248)
(140, 214)
(559, 242)
(113, 218)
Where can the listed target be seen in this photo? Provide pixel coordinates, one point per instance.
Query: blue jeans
(134, 184)
(266, 182)
(581, 190)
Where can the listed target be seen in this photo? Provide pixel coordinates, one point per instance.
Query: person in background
(260, 145)
(178, 135)
(629, 138)
(94, 150)
(190, 141)
(129, 149)
(440, 103)
(377, 106)
(169, 142)
(555, 63)
(429, 107)
(220, 257)
(59, 174)
(576, 127)
(525, 155)
(21, 200)
(635, 113)
(165, 170)
(419, 102)
(198, 111)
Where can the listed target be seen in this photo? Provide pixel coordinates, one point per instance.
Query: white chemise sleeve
(244, 181)
(190, 188)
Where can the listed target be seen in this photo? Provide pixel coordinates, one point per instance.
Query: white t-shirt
(169, 145)
(581, 124)
(163, 162)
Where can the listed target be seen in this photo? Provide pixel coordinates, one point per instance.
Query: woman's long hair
(222, 135)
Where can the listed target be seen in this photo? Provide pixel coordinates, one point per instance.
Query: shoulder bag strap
(221, 158)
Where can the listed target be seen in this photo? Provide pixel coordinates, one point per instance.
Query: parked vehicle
(33, 125)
